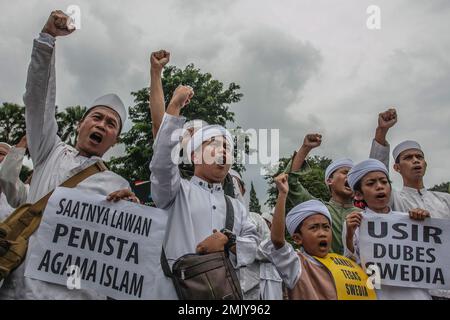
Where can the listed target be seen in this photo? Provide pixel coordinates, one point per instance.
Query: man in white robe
(196, 207)
(55, 161)
(410, 163)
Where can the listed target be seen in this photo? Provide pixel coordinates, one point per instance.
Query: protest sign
(406, 252)
(85, 241)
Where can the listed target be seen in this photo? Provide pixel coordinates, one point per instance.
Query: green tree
(254, 202)
(12, 122)
(312, 179)
(443, 187)
(68, 120)
(211, 104)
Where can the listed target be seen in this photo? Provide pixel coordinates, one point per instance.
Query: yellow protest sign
(350, 280)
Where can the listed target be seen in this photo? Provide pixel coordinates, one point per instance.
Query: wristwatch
(231, 238)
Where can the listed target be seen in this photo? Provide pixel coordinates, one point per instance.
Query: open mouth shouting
(381, 196)
(96, 138)
(323, 245)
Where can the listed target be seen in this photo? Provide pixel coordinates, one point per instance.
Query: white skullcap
(206, 133)
(405, 145)
(337, 164)
(363, 168)
(112, 101)
(304, 210)
(267, 216)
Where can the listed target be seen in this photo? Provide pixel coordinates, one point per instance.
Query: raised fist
(387, 119)
(58, 24)
(159, 59)
(312, 140)
(182, 96)
(281, 181)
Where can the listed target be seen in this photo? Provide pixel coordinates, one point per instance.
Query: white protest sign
(408, 253)
(86, 242)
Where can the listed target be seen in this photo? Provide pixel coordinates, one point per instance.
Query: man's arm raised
(156, 99)
(165, 175)
(380, 147)
(39, 97)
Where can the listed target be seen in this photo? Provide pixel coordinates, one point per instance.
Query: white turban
(363, 168)
(112, 101)
(304, 210)
(206, 133)
(337, 164)
(405, 145)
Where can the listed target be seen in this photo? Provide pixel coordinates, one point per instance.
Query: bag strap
(38, 207)
(229, 224)
(229, 220)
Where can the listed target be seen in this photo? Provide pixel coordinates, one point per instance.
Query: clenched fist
(181, 97)
(159, 59)
(281, 181)
(312, 140)
(387, 119)
(58, 24)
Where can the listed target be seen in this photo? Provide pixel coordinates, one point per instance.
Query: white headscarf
(304, 210)
(206, 133)
(337, 164)
(112, 101)
(405, 145)
(363, 168)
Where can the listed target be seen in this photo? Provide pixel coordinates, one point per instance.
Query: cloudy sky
(303, 65)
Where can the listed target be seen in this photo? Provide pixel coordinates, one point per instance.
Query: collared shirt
(195, 206)
(437, 203)
(54, 161)
(385, 292)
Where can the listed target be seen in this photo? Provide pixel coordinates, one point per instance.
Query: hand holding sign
(124, 194)
(418, 214)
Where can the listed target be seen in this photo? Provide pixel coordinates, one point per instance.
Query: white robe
(437, 203)
(260, 280)
(385, 292)
(54, 161)
(195, 207)
(13, 188)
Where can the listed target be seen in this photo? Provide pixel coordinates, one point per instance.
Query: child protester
(312, 273)
(369, 180)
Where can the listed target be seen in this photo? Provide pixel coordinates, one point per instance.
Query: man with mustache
(410, 163)
(54, 161)
(341, 202)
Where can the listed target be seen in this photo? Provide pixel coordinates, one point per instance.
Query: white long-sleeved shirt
(385, 292)
(54, 162)
(195, 207)
(260, 280)
(437, 203)
(14, 189)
